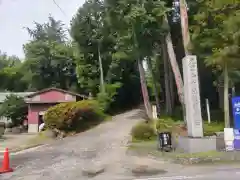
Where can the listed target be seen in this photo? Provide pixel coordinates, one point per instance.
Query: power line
(54, 1)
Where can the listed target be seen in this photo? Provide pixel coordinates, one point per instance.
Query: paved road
(222, 172)
(102, 149)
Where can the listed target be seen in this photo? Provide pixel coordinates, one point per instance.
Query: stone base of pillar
(196, 145)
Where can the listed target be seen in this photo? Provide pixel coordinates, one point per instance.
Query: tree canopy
(113, 40)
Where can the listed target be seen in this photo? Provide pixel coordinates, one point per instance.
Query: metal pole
(208, 111)
(102, 84)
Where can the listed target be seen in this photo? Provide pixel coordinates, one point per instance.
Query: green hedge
(143, 132)
(74, 116)
(212, 128)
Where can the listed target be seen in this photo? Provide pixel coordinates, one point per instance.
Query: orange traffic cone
(5, 163)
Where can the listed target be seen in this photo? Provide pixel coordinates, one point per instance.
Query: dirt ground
(15, 141)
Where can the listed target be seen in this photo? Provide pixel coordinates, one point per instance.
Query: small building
(40, 101)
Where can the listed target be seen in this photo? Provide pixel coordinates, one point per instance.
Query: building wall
(41, 102)
(33, 112)
(33, 115)
(53, 96)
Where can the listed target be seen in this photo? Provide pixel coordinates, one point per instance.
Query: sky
(17, 14)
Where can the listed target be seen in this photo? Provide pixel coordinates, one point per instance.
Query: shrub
(166, 124)
(74, 116)
(143, 131)
(212, 128)
(105, 99)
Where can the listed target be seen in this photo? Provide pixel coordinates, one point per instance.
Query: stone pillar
(192, 97)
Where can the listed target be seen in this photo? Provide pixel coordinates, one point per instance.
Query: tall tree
(217, 36)
(139, 26)
(93, 37)
(49, 57)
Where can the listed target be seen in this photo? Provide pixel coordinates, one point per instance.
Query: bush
(143, 132)
(165, 124)
(74, 116)
(105, 99)
(211, 129)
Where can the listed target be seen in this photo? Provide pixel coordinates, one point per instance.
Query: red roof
(55, 89)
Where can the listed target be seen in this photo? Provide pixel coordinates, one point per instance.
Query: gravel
(99, 152)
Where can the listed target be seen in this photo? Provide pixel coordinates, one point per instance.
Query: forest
(122, 52)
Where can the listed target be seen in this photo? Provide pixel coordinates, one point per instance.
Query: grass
(38, 140)
(142, 132)
(150, 149)
(198, 155)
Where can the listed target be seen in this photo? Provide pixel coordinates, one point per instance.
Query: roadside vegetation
(145, 140)
(147, 131)
(70, 118)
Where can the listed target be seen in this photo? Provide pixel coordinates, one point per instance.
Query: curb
(23, 149)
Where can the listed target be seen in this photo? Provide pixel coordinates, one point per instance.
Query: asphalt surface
(102, 151)
(223, 172)
(99, 149)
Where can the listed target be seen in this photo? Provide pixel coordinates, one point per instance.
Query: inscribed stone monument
(192, 97)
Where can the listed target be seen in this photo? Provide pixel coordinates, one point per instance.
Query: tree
(93, 36)
(95, 42)
(52, 30)
(14, 108)
(50, 59)
(139, 26)
(9, 73)
(217, 37)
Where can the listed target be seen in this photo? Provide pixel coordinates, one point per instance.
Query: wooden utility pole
(184, 25)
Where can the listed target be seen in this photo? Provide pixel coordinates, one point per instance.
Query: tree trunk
(176, 72)
(226, 100)
(102, 84)
(144, 89)
(168, 105)
(171, 84)
(156, 92)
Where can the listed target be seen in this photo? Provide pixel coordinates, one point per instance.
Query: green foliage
(50, 64)
(105, 99)
(14, 108)
(124, 32)
(50, 59)
(216, 38)
(216, 32)
(211, 129)
(91, 31)
(139, 25)
(75, 116)
(166, 124)
(143, 132)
